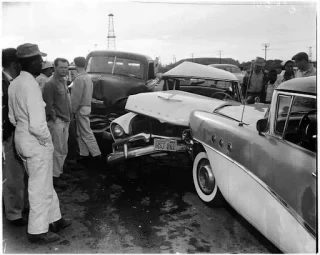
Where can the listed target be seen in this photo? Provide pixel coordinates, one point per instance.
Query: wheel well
(197, 147)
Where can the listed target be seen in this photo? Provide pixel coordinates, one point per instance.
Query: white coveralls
(27, 113)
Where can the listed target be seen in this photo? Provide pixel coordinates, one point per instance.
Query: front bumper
(148, 149)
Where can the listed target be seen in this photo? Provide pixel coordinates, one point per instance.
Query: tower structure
(111, 34)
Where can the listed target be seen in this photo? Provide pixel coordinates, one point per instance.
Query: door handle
(314, 174)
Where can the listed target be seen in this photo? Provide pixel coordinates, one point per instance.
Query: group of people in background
(37, 111)
(258, 84)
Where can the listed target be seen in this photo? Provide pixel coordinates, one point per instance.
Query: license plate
(165, 145)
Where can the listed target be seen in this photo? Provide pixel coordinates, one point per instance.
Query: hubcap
(206, 178)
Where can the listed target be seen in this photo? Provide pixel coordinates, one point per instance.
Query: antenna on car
(245, 99)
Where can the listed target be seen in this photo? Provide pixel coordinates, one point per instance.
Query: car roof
(120, 54)
(306, 85)
(193, 70)
(223, 65)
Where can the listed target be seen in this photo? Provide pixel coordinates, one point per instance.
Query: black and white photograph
(159, 126)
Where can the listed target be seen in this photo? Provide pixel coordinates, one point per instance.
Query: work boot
(59, 224)
(19, 222)
(57, 183)
(47, 237)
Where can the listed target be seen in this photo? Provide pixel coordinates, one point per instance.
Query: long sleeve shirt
(81, 94)
(57, 98)
(26, 107)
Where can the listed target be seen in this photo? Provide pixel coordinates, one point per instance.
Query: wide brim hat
(29, 50)
(46, 64)
(301, 56)
(259, 62)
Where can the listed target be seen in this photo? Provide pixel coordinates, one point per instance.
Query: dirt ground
(153, 211)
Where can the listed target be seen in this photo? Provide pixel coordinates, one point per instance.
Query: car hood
(110, 88)
(172, 106)
(194, 70)
(252, 113)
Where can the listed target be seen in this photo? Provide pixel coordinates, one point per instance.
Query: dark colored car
(115, 75)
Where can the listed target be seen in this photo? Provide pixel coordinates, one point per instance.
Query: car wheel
(205, 182)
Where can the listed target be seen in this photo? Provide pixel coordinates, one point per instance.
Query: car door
(288, 170)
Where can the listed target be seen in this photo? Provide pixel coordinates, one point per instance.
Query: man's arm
(76, 93)
(10, 111)
(48, 97)
(37, 118)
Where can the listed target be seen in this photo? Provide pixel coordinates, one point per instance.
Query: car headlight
(117, 131)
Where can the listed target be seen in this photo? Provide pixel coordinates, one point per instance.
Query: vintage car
(115, 75)
(155, 124)
(263, 163)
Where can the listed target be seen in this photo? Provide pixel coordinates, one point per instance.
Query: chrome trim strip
(266, 187)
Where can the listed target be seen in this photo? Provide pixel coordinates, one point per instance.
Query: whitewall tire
(205, 182)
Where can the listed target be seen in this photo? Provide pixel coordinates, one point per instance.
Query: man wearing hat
(47, 70)
(14, 189)
(305, 69)
(34, 146)
(255, 81)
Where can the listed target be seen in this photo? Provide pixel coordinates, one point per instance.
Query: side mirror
(262, 125)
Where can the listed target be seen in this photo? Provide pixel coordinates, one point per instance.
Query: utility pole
(220, 51)
(265, 45)
(310, 53)
(192, 57)
(174, 59)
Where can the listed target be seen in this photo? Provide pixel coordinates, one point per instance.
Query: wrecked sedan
(157, 121)
(264, 163)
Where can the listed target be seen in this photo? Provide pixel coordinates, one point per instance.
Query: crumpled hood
(111, 88)
(172, 106)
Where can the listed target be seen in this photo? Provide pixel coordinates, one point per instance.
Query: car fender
(124, 121)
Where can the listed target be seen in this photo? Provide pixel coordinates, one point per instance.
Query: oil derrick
(111, 34)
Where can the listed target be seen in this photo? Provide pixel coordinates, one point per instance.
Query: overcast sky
(168, 29)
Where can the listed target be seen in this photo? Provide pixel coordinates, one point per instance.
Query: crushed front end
(149, 138)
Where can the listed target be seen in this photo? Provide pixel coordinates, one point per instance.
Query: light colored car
(155, 124)
(264, 163)
(232, 69)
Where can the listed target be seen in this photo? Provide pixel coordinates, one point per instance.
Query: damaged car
(157, 122)
(115, 75)
(263, 163)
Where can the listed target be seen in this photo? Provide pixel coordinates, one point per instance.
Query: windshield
(116, 65)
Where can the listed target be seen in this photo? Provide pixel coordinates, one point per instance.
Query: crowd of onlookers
(37, 108)
(258, 84)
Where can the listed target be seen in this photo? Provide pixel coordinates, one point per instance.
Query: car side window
(283, 106)
(296, 122)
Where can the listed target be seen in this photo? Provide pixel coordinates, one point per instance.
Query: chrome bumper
(118, 156)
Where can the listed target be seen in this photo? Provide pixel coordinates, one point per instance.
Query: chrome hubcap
(206, 178)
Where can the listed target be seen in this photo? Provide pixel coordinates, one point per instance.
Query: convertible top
(306, 85)
(194, 70)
